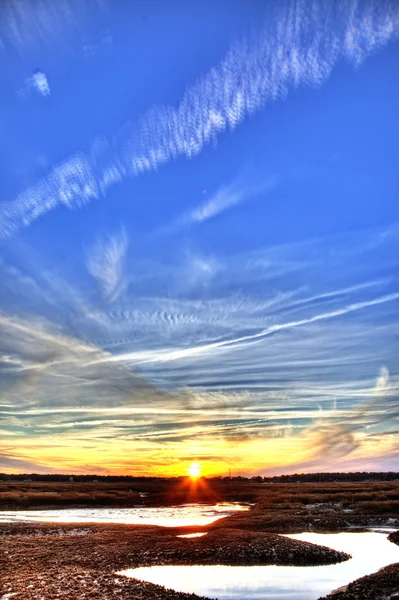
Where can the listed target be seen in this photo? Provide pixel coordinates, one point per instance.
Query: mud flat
(47, 561)
(71, 562)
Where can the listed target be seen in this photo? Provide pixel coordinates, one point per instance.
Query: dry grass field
(363, 498)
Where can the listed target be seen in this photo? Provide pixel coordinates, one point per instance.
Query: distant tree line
(61, 477)
(325, 477)
(295, 478)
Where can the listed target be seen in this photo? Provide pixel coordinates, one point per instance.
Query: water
(370, 551)
(191, 535)
(172, 516)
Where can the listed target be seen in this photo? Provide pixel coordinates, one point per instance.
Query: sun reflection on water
(171, 516)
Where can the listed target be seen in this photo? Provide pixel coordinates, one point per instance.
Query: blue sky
(199, 236)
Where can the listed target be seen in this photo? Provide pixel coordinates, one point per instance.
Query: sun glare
(194, 470)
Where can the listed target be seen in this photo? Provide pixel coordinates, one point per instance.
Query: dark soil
(383, 585)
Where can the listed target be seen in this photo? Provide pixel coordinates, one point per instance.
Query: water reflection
(370, 552)
(191, 535)
(172, 516)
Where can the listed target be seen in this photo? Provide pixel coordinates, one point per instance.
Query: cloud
(271, 330)
(65, 369)
(105, 262)
(91, 49)
(225, 198)
(198, 271)
(71, 183)
(29, 26)
(39, 82)
(299, 45)
(341, 437)
(241, 363)
(382, 381)
(20, 464)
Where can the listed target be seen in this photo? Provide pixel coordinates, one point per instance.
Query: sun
(194, 470)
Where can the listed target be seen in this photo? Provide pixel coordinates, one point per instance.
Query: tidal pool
(370, 551)
(171, 516)
(191, 535)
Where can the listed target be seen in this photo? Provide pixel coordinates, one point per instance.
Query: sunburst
(194, 470)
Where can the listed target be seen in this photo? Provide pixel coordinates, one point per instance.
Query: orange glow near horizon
(215, 455)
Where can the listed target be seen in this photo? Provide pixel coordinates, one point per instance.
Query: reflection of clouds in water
(300, 44)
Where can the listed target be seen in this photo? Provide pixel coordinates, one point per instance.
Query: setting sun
(194, 470)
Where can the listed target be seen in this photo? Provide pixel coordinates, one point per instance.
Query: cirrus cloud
(299, 45)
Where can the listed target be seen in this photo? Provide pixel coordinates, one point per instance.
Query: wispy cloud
(105, 262)
(225, 198)
(198, 270)
(33, 349)
(168, 355)
(28, 26)
(299, 45)
(11, 461)
(242, 369)
(90, 50)
(333, 439)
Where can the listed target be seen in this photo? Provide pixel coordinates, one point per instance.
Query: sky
(199, 234)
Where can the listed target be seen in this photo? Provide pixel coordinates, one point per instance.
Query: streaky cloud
(167, 355)
(239, 358)
(10, 460)
(223, 199)
(299, 45)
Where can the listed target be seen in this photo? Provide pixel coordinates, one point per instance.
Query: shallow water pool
(370, 551)
(191, 535)
(171, 516)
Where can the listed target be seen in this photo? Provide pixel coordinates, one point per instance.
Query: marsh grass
(360, 498)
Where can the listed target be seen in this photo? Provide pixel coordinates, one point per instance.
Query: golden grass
(364, 497)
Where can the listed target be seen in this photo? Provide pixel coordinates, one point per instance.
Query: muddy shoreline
(57, 557)
(69, 561)
(44, 561)
(378, 586)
